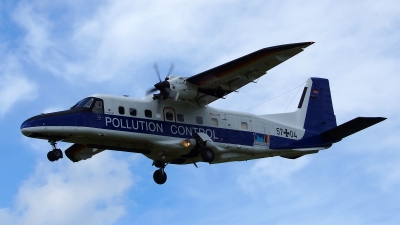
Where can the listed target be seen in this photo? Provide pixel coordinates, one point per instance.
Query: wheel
(57, 153)
(50, 156)
(207, 154)
(54, 155)
(160, 176)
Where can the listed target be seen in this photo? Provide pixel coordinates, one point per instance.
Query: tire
(207, 154)
(50, 156)
(159, 176)
(57, 153)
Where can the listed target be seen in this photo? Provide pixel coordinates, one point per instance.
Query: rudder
(319, 114)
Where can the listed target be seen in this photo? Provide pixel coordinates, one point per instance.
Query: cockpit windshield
(84, 103)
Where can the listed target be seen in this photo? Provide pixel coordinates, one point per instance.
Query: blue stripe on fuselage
(144, 126)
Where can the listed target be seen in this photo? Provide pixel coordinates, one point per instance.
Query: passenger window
(121, 110)
(148, 113)
(199, 120)
(132, 112)
(98, 107)
(244, 126)
(214, 122)
(180, 117)
(169, 116)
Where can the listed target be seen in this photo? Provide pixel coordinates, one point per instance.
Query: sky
(55, 53)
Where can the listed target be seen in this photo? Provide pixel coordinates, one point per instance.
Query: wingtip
(378, 119)
(382, 118)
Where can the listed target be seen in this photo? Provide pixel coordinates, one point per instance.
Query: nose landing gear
(54, 154)
(159, 176)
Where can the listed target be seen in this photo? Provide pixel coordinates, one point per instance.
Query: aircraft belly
(44, 132)
(234, 152)
(154, 146)
(234, 156)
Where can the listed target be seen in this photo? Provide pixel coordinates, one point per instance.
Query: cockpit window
(98, 107)
(84, 103)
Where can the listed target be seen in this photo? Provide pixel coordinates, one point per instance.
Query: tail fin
(315, 110)
(315, 114)
(316, 107)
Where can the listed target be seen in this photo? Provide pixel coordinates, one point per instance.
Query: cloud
(15, 88)
(65, 193)
(388, 173)
(356, 57)
(118, 41)
(106, 42)
(270, 172)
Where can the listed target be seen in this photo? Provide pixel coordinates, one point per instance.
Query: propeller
(162, 86)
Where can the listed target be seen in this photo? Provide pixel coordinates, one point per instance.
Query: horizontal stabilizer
(351, 127)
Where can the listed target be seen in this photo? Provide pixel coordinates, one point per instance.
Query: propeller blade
(162, 86)
(155, 66)
(170, 69)
(159, 100)
(151, 90)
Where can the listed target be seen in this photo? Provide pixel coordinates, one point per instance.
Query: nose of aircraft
(38, 124)
(29, 125)
(48, 124)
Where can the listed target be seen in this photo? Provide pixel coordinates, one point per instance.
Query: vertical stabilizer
(316, 107)
(315, 110)
(316, 116)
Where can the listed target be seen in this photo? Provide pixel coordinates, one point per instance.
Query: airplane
(177, 125)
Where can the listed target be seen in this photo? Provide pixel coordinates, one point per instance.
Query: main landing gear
(159, 176)
(207, 154)
(54, 154)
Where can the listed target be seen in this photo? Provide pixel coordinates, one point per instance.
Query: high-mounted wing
(229, 77)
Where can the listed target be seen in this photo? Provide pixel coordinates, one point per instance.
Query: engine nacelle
(182, 90)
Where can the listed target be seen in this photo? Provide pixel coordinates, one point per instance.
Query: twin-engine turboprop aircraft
(176, 126)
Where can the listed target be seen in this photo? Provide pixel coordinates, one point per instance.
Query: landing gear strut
(54, 154)
(159, 176)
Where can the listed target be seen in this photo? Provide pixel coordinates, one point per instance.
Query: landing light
(185, 143)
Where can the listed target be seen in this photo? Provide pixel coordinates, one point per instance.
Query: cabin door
(169, 114)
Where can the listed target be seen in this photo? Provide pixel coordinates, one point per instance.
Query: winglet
(353, 126)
